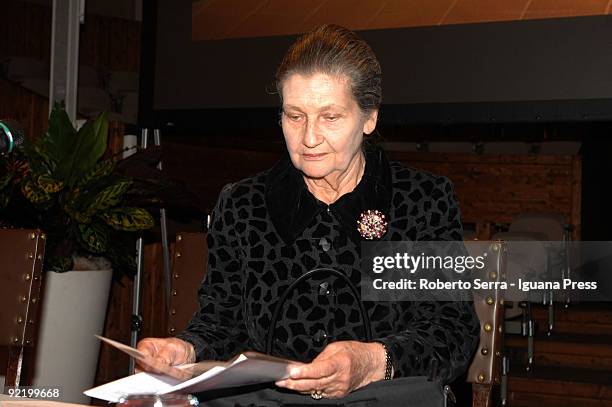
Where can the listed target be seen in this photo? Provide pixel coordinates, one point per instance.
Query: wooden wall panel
(25, 30)
(24, 106)
(97, 51)
(113, 364)
(124, 37)
(495, 188)
(110, 44)
(106, 43)
(206, 170)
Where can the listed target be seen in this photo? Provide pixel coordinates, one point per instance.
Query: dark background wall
(561, 66)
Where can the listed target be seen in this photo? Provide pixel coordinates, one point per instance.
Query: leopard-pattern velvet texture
(268, 230)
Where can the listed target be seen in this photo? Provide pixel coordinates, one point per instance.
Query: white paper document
(247, 368)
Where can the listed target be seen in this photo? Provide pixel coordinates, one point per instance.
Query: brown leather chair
(21, 260)
(188, 270)
(486, 367)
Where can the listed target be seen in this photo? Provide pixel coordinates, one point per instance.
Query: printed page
(245, 369)
(139, 383)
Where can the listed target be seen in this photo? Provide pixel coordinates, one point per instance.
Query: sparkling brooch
(372, 224)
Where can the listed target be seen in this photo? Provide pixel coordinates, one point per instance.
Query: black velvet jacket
(268, 230)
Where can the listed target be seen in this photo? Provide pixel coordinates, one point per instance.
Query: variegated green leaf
(128, 219)
(108, 197)
(73, 195)
(33, 192)
(94, 237)
(36, 156)
(101, 170)
(72, 208)
(43, 159)
(80, 216)
(48, 184)
(123, 254)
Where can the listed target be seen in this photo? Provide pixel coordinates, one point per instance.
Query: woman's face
(323, 124)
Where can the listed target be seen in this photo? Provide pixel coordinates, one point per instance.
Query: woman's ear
(370, 123)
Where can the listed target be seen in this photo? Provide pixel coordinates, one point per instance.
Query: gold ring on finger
(316, 394)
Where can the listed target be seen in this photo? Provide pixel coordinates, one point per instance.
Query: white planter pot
(73, 311)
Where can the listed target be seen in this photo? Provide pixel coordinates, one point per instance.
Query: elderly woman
(304, 213)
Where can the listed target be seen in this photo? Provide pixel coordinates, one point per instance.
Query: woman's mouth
(313, 156)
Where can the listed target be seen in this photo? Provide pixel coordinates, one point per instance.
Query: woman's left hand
(341, 368)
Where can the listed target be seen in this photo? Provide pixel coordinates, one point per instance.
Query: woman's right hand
(168, 351)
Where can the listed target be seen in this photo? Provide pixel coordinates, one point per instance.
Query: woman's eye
(294, 117)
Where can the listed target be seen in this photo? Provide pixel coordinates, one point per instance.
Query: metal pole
(164, 232)
(136, 317)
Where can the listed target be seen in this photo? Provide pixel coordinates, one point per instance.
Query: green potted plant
(62, 184)
(92, 212)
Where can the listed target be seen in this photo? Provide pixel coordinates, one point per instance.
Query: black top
(268, 230)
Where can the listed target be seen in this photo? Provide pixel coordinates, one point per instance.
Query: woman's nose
(312, 136)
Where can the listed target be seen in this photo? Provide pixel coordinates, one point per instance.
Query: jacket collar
(292, 207)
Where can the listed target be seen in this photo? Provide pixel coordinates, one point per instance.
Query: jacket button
(324, 243)
(319, 337)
